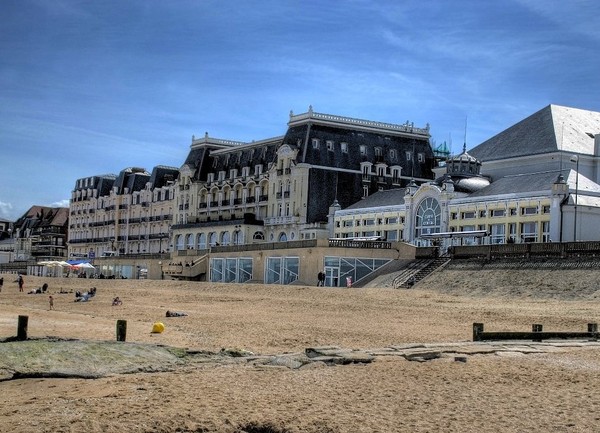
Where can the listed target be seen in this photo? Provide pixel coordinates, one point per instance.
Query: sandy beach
(555, 389)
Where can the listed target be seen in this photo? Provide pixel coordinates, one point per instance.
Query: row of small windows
(388, 235)
(393, 153)
(330, 144)
(371, 222)
(499, 233)
(494, 213)
(233, 173)
(260, 153)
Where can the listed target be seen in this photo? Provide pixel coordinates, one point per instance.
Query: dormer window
(363, 149)
(315, 143)
(330, 145)
(344, 147)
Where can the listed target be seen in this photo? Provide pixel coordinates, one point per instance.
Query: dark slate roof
(105, 184)
(520, 183)
(38, 217)
(301, 135)
(245, 155)
(162, 174)
(133, 178)
(551, 129)
(389, 197)
(211, 155)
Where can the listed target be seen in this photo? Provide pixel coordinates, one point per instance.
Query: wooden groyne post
(537, 334)
(22, 328)
(121, 330)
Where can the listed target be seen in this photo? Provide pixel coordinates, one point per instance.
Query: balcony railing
(282, 220)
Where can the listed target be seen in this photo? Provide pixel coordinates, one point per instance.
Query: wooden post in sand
(477, 330)
(121, 330)
(593, 330)
(22, 328)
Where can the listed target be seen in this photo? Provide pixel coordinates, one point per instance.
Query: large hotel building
(240, 211)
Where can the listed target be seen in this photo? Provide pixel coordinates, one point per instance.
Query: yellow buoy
(158, 327)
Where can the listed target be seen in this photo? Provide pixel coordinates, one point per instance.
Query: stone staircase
(190, 271)
(383, 276)
(417, 270)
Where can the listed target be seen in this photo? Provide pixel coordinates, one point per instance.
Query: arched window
(201, 241)
(259, 236)
(225, 238)
(282, 237)
(428, 218)
(190, 241)
(238, 237)
(179, 243)
(212, 239)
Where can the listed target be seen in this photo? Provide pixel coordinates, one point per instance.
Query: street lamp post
(575, 159)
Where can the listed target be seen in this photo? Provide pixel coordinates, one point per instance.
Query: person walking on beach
(51, 302)
(1, 283)
(21, 282)
(321, 279)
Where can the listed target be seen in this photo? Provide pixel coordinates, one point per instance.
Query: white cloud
(6, 210)
(61, 203)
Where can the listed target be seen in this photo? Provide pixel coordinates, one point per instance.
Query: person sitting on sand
(117, 301)
(175, 314)
(83, 297)
(44, 287)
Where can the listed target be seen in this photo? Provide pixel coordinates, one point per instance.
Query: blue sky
(93, 87)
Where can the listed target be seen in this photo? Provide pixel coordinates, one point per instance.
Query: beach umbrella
(84, 266)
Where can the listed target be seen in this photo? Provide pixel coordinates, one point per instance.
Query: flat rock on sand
(82, 359)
